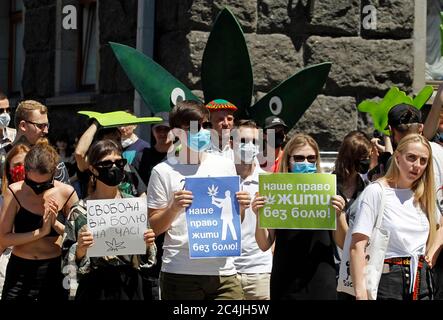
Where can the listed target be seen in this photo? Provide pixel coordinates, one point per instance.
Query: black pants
(111, 283)
(394, 285)
(438, 278)
(34, 280)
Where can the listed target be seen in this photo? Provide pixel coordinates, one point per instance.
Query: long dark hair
(98, 151)
(355, 146)
(101, 149)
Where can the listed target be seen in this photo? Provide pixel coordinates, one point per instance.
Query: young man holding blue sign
(182, 277)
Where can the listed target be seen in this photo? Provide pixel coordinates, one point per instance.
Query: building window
(16, 51)
(87, 52)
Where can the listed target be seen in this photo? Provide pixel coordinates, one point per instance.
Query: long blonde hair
(299, 140)
(423, 187)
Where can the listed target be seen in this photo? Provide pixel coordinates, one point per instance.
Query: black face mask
(279, 139)
(111, 177)
(38, 188)
(363, 166)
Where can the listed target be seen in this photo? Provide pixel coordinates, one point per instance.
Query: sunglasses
(300, 158)
(107, 164)
(3, 110)
(243, 140)
(204, 125)
(40, 126)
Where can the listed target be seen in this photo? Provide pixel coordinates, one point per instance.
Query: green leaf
(118, 118)
(291, 98)
(154, 84)
(226, 66)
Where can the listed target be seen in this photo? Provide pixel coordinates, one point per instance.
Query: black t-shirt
(146, 161)
(303, 266)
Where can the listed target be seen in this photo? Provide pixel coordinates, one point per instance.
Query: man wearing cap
(221, 121)
(403, 119)
(275, 142)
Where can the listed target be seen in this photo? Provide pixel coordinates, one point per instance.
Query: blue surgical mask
(303, 167)
(248, 151)
(199, 141)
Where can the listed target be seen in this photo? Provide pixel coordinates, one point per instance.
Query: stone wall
(284, 36)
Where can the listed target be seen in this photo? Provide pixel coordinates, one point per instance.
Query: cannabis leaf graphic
(379, 110)
(212, 191)
(114, 246)
(270, 199)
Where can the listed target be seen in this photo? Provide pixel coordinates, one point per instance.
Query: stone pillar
(419, 45)
(145, 44)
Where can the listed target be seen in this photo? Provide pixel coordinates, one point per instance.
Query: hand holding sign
(182, 199)
(149, 237)
(243, 199)
(338, 203)
(85, 240)
(257, 203)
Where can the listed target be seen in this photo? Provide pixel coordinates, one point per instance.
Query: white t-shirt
(167, 178)
(252, 259)
(437, 155)
(407, 223)
(226, 152)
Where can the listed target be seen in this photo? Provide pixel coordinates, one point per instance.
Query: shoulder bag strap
(382, 206)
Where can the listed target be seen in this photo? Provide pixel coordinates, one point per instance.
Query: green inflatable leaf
(118, 118)
(158, 88)
(423, 96)
(379, 111)
(291, 98)
(226, 66)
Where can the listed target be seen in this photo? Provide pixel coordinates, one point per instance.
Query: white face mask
(248, 151)
(127, 142)
(4, 120)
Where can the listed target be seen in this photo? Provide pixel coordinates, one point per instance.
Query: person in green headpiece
(221, 121)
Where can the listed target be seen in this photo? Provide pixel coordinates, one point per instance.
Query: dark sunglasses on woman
(120, 163)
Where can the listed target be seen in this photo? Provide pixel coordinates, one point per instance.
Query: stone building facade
(283, 36)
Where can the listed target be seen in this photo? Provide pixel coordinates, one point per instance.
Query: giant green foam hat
(379, 110)
(226, 74)
(226, 66)
(157, 87)
(291, 98)
(119, 118)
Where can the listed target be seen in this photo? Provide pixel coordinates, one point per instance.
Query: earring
(93, 181)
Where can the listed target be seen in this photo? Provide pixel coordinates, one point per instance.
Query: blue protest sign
(213, 219)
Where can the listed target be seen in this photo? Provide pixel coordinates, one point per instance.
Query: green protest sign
(297, 201)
